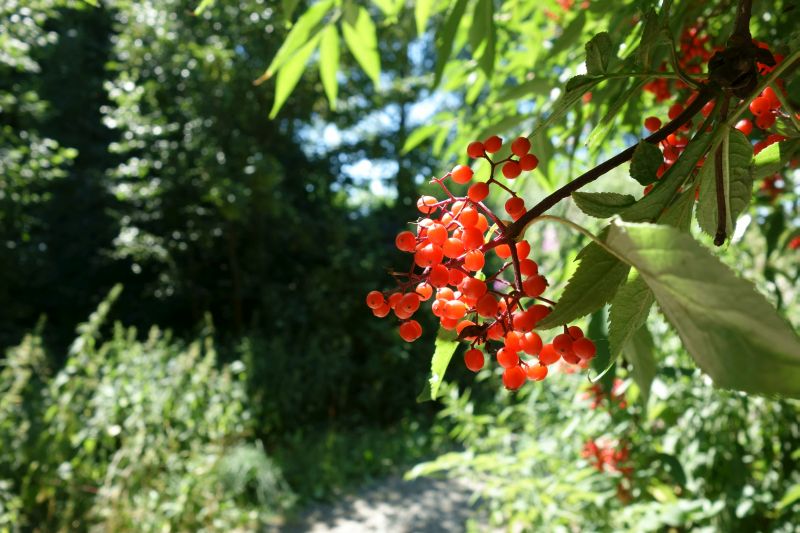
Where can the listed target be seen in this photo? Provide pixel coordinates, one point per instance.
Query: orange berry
(548, 355)
(428, 255)
(437, 233)
(453, 247)
(426, 204)
(410, 330)
(528, 162)
(531, 343)
(456, 277)
(473, 359)
(382, 311)
(375, 299)
(503, 251)
(478, 191)
(514, 377)
(475, 149)
(493, 144)
(537, 372)
(408, 304)
(513, 341)
(523, 249)
(424, 291)
(523, 321)
(515, 205)
(528, 267)
(463, 324)
(486, 306)
(474, 260)
(455, 309)
(473, 287)
(438, 276)
(539, 311)
(472, 238)
(520, 146)
(461, 174)
(468, 217)
(511, 170)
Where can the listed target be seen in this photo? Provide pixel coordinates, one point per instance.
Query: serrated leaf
(361, 38)
(422, 12)
(594, 284)
(445, 38)
(645, 162)
(732, 332)
(773, 158)
(650, 207)
(602, 204)
(638, 352)
(599, 52)
(329, 63)
(738, 184)
(679, 213)
(305, 29)
(444, 349)
(629, 310)
(419, 135)
(604, 125)
(290, 73)
(575, 88)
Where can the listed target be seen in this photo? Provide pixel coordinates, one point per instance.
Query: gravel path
(392, 506)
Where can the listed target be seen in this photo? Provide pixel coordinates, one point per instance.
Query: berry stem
(705, 94)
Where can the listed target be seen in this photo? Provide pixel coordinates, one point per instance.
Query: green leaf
(605, 124)
(419, 135)
(738, 182)
(202, 6)
(679, 214)
(290, 74)
(599, 52)
(602, 360)
(329, 63)
(602, 204)
(305, 29)
(538, 86)
(422, 12)
(485, 10)
(288, 8)
(362, 40)
(571, 33)
(650, 40)
(445, 38)
(445, 347)
(629, 310)
(732, 332)
(651, 206)
(645, 162)
(639, 353)
(576, 87)
(390, 8)
(593, 284)
(773, 158)
(792, 495)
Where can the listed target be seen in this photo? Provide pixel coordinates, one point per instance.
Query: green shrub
(130, 435)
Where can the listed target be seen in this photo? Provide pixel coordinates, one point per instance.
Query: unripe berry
(410, 330)
(528, 162)
(473, 359)
(375, 299)
(493, 144)
(461, 174)
(520, 146)
(475, 149)
(511, 170)
(478, 191)
(514, 377)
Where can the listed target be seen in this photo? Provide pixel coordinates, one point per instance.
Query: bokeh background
(182, 283)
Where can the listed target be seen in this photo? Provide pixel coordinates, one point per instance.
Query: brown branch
(705, 94)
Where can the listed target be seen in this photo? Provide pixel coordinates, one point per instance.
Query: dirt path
(392, 506)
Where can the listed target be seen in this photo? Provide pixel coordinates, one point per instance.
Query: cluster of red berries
(449, 248)
(607, 455)
(596, 395)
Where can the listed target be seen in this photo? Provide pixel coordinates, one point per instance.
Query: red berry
(523, 321)
(437, 233)
(461, 174)
(455, 309)
(474, 260)
(674, 111)
(425, 204)
(473, 359)
(472, 238)
(514, 377)
(438, 276)
(408, 304)
(531, 343)
(493, 144)
(425, 291)
(382, 311)
(453, 247)
(528, 162)
(405, 241)
(428, 255)
(652, 124)
(760, 106)
(745, 126)
(511, 170)
(548, 355)
(537, 372)
(468, 217)
(534, 286)
(520, 146)
(507, 358)
(410, 330)
(478, 191)
(575, 332)
(528, 267)
(584, 348)
(765, 121)
(473, 287)
(475, 149)
(486, 306)
(562, 343)
(375, 299)
(515, 206)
